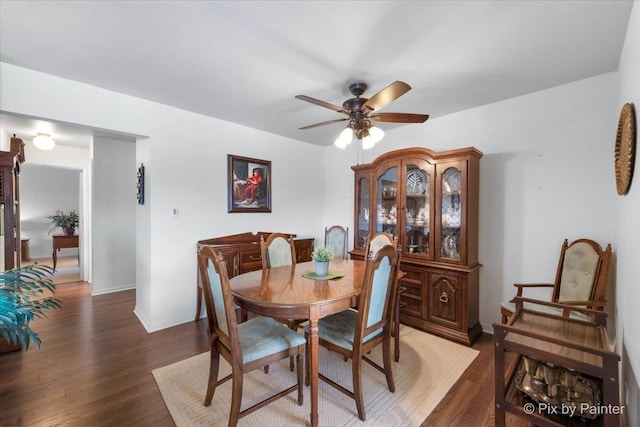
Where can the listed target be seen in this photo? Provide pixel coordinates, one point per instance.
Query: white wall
(113, 215)
(627, 220)
(43, 191)
(5, 140)
(186, 159)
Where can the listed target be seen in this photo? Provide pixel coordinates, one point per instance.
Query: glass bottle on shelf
(450, 213)
(417, 205)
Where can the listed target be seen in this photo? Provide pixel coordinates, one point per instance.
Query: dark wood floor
(95, 369)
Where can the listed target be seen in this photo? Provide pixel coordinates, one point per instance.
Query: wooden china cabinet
(429, 202)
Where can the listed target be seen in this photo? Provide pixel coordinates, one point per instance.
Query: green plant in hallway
(25, 293)
(67, 221)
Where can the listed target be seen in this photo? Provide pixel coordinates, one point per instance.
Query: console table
(242, 254)
(61, 242)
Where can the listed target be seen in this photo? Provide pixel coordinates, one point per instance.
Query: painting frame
(248, 184)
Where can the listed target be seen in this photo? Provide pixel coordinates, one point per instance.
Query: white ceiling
(245, 61)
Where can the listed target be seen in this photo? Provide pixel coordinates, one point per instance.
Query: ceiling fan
(361, 112)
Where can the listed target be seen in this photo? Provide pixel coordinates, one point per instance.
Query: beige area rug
(428, 368)
(67, 268)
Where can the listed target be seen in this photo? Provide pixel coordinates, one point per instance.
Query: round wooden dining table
(283, 292)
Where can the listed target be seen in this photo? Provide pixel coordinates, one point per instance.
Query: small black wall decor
(140, 194)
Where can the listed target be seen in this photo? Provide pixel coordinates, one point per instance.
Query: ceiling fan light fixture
(371, 136)
(376, 134)
(344, 139)
(44, 142)
(367, 143)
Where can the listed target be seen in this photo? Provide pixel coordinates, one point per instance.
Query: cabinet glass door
(450, 213)
(417, 210)
(387, 205)
(363, 206)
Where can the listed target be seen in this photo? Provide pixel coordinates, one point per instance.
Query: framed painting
(249, 184)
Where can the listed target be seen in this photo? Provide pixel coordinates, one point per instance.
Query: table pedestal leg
(55, 258)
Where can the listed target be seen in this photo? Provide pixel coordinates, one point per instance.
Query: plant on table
(22, 298)
(67, 221)
(323, 254)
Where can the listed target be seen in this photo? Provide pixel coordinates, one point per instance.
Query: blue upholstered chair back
(377, 241)
(215, 284)
(277, 250)
(218, 299)
(335, 238)
(378, 292)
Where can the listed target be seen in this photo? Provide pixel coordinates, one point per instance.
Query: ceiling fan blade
(324, 123)
(322, 103)
(390, 93)
(399, 117)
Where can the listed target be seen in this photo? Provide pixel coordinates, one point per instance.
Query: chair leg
(306, 358)
(294, 328)
(236, 398)
(299, 364)
(214, 364)
(386, 360)
(357, 386)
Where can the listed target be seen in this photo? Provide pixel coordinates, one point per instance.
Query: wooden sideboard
(242, 254)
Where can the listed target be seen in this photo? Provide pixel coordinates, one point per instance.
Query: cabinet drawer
(250, 261)
(412, 292)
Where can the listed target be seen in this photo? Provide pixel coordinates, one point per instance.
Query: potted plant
(321, 257)
(21, 300)
(67, 221)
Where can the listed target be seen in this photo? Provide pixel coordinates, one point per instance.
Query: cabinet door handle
(444, 297)
(402, 289)
(403, 304)
(253, 258)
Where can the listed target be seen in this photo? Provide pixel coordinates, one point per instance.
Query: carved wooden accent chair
(336, 238)
(581, 279)
(247, 346)
(353, 334)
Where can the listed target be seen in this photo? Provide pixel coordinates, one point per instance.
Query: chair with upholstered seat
(277, 251)
(352, 333)
(377, 241)
(247, 346)
(374, 243)
(335, 238)
(581, 278)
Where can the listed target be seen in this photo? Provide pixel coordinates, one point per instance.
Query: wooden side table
(577, 345)
(60, 242)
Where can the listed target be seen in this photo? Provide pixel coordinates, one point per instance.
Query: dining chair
(377, 241)
(277, 251)
(247, 346)
(353, 334)
(336, 238)
(374, 243)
